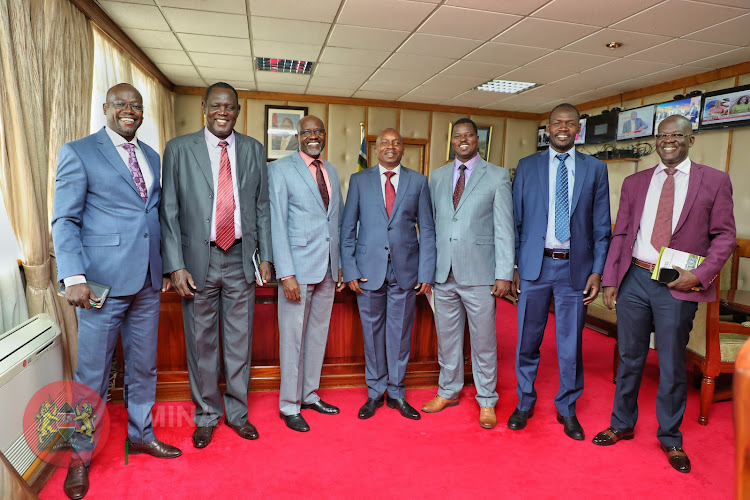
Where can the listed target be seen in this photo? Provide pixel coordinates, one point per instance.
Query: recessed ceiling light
(283, 65)
(506, 86)
(613, 45)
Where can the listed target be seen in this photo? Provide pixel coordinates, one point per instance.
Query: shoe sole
(487, 426)
(455, 403)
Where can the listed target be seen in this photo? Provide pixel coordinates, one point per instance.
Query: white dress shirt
(394, 179)
(570, 164)
(214, 154)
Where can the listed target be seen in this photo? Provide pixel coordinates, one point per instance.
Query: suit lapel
(153, 163)
(403, 185)
(377, 189)
(694, 184)
(543, 171)
(581, 171)
(109, 151)
(479, 169)
(200, 152)
(241, 158)
(640, 202)
(304, 171)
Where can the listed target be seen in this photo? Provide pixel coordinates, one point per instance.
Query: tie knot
(317, 163)
(562, 157)
(389, 174)
(670, 170)
(129, 147)
(223, 144)
(462, 167)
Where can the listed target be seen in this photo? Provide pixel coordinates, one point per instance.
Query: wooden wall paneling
(414, 124)
(188, 116)
(256, 117)
(381, 118)
(497, 141)
(439, 138)
(343, 140)
(740, 174)
(520, 141)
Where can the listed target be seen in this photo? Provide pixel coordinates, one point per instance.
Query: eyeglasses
(671, 136)
(231, 108)
(119, 105)
(308, 132)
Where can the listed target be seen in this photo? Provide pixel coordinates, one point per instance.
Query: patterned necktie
(562, 210)
(321, 182)
(390, 193)
(662, 232)
(460, 184)
(225, 202)
(135, 171)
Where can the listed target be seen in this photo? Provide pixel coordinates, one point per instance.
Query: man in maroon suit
(682, 205)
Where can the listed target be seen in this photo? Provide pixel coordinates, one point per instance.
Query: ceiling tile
(176, 71)
(593, 12)
(281, 87)
(329, 70)
(329, 91)
(681, 51)
(425, 99)
(360, 37)
(503, 53)
(476, 24)
(544, 33)
(387, 86)
(167, 56)
(187, 82)
(241, 85)
(631, 42)
(731, 3)
(666, 75)
(522, 7)
(221, 61)
(145, 17)
(390, 14)
(355, 57)
(473, 98)
(678, 18)
(446, 46)
(296, 51)
(286, 30)
(281, 78)
(733, 32)
(486, 71)
(228, 6)
(369, 94)
(412, 78)
(225, 74)
(153, 39)
(199, 22)
(730, 58)
(449, 84)
(555, 66)
(337, 82)
(324, 11)
(215, 44)
(617, 71)
(414, 62)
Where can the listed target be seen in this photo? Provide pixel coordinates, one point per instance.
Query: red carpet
(444, 455)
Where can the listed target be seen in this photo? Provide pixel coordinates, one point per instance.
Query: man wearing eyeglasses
(682, 205)
(214, 214)
(105, 229)
(306, 206)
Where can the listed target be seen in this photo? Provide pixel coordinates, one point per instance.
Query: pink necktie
(662, 232)
(135, 171)
(225, 202)
(390, 193)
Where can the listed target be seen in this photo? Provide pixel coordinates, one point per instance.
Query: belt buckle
(558, 255)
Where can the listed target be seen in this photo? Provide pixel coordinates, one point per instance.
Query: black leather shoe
(155, 448)
(321, 407)
(76, 483)
(518, 419)
(246, 430)
(404, 407)
(678, 459)
(202, 436)
(368, 409)
(572, 427)
(295, 422)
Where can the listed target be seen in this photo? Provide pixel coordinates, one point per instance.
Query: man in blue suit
(387, 263)
(562, 226)
(106, 229)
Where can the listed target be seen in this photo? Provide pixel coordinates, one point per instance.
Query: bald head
(678, 121)
(122, 87)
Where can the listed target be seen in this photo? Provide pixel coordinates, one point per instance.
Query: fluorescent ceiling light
(506, 86)
(283, 65)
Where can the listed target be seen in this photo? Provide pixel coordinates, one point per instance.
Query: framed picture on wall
(281, 128)
(485, 138)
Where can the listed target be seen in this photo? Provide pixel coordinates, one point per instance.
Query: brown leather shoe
(155, 448)
(678, 459)
(487, 418)
(202, 436)
(246, 430)
(76, 483)
(437, 404)
(610, 436)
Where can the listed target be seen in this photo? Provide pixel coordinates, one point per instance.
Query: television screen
(542, 138)
(633, 123)
(726, 108)
(581, 135)
(601, 128)
(689, 107)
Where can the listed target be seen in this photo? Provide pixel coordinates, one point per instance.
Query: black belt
(557, 254)
(236, 242)
(644, 265)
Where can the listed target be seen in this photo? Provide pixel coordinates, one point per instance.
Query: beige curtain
(46, 60)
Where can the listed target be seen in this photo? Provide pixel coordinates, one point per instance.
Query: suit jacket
(705, 227)
(101, 227)
(305, 235)
(364, 252)
(187, 204)
(475, 238)
(590, 223)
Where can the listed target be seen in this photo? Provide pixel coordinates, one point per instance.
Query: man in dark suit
(682, 205)
(215, 212)
(105, 229)
(561, 210)
(387, 263)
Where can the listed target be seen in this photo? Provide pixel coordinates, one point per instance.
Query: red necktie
(321, 182)
(662, 232)
(390, 193)
(225, 202)
(460, 184)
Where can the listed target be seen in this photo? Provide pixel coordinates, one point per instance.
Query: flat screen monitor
(726, 108)
(601, 128)
(634, 123)
(689, 107)
(581, 135)
(542, 138)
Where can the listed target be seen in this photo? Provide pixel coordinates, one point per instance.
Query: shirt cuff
(74, 280)
(287, 277)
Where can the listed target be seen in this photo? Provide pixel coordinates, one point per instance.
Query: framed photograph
(485, 137)
(281, 129)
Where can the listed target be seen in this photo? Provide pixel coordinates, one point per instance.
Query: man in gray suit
(215, 212)
(306, 204)
(385, 260)
(473, 209)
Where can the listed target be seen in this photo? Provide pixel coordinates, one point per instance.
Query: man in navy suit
(561, 210)
(387, 263)
(106, 229)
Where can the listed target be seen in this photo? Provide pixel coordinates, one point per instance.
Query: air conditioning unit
(30, 358)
